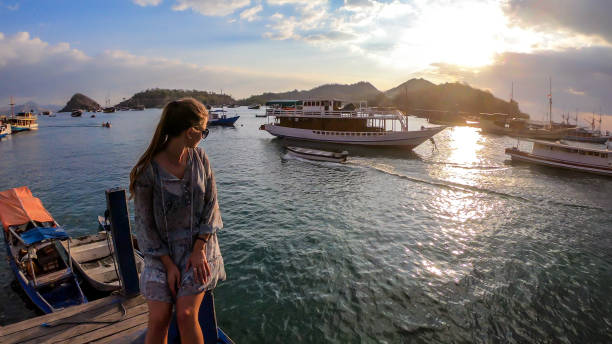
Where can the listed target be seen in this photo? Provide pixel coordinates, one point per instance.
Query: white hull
(5, 129)
(30, 127)
(534, 159)
(409, 139)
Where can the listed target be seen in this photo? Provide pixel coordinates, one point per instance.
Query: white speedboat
(318, 155)
(327, 121)
(5, 129)
(561, 155)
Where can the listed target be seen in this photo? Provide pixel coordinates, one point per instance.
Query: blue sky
(51, 49)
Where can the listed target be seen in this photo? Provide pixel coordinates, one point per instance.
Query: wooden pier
(113, 319)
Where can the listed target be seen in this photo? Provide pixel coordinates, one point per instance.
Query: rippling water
(446, 245)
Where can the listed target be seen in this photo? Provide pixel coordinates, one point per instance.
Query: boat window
(589, 153)
(604, 155)
(596, 153)
(581, 152)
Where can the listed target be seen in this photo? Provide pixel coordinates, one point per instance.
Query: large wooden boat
(31, 236)
(93, 257)
(562, 155)
(24, 121)
(327, 121)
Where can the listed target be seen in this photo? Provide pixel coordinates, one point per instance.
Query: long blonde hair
(177, 116)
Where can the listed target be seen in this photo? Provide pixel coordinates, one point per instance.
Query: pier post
(116, 203)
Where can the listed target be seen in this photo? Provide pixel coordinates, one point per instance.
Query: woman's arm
(210, 221)
(146, 230)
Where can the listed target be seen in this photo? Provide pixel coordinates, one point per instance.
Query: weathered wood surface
(104, 321)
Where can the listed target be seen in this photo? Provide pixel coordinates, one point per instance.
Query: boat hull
(229, 121)
(521, 156)
(592, 139)
(311, 154)
(409, 139)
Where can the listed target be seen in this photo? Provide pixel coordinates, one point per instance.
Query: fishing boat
(76, 113)
(327, 121)
(562, 155)
(24, 121)
(93, 258)
(220, 117)
(318, 155)
(5, 129)
(31, 236)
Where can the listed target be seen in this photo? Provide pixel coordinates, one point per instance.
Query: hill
(450, 102)
(80, 101)
(348, 93)
(30, 106)
(411, 85)
(157, 98)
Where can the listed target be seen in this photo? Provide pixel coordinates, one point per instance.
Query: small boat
(76, 113)
(216, 119)
(562, 155)
(5, 129)
(31, 237)
(93, 116)
(46, 113)
(93, 258)
(260, 115)
(106, 124)
(254, 107)
(318, 155)
(109, 109)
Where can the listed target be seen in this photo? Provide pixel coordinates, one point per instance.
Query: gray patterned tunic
(169, 213)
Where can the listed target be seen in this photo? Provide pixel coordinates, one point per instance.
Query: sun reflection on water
(465, 143)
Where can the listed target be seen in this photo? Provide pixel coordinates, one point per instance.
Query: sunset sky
(52, 49)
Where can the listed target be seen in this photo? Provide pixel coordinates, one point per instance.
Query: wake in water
(383, 168)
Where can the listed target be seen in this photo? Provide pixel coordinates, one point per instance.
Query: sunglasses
(204, 133)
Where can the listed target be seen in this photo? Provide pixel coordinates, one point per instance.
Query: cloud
(590, 17)
(211, 7)
(31, 69)
(145, 3)
(581, 78)
(250, 14)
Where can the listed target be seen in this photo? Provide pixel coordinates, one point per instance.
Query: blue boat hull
(2, 135)
(229, 121)
(48, 300)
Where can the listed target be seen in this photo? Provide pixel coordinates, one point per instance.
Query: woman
(177, 217)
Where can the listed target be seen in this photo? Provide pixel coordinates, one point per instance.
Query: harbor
(429, 245)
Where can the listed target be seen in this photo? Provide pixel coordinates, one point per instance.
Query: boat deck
(113, 319)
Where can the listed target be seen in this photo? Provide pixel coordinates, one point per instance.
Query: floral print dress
(169, 214)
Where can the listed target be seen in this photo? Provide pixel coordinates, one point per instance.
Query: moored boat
(318, 155)
(220, 117)
(109, 109)
(24, 121)
(30, 237)
(327, 121)
(5, 129)
(76, 113)
(254, 107)
(93, 257)
(561, 155)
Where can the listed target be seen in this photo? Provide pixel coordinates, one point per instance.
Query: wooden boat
(218, 117)
(109, 109)
(324, 120)
(76, 113)
(561, 155)
(318, 155)
(30, 237)
(24, 121)
(93, 258)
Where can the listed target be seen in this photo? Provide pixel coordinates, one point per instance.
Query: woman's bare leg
(159, 321)
(187, 308)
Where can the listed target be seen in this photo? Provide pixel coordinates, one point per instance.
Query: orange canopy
(18, 206)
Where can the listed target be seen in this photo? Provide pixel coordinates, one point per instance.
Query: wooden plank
(103, 310)
(51, 317)
(126, 336)
(72, 331)
(107, 331)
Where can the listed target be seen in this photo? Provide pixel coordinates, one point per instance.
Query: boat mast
(550, 102)
(12, 104)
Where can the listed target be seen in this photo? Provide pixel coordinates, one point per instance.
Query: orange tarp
(18, 206)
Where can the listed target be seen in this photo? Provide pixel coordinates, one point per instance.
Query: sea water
(446, 243)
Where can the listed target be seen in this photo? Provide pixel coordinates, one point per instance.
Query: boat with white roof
(560, 154)
(318, 155)
(325, 120)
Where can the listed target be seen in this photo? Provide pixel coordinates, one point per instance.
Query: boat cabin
(559, 151)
